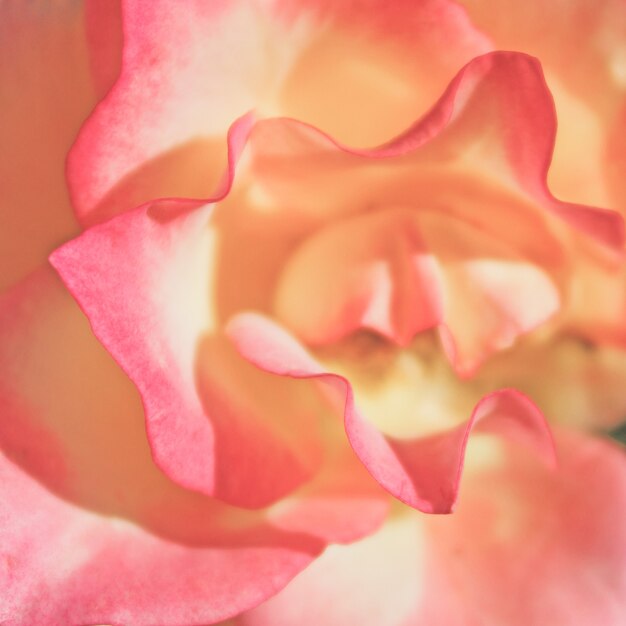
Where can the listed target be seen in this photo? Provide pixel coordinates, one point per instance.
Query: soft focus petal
(92, 531)
(528, 545)
(43, 58)
(422, 472)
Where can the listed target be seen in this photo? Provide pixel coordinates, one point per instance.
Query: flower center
(413, 391)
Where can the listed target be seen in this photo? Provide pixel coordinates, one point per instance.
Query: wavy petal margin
(188, 70)
(144, 280)
(526, 546)
(92, 532)
(424, 473)
(130, 275)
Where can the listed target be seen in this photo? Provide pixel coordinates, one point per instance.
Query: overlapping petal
(188, 71)
(92, 531)
(581, 47)
(174, 360)
(495, 121)
(423, 472)
(145, 283)
(486, 259)
(527, 545)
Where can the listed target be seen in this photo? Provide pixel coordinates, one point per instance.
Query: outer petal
(42, 58)
(423, 472)
(552, 540)
(526, 547)
(91, 531)
(144, 280)
(188, 71)
(91, 569)
(581, 46)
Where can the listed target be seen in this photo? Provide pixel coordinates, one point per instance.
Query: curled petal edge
(424, 473)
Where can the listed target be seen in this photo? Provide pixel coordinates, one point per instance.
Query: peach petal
(581, 47)
(495, 122)
(132, 277)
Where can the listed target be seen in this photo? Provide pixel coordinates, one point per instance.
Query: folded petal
(422, 472)
(495, 124)
(581, 47)
(187, 72)
(144, 280)
(92, 531)
(527, 545)
(400, 272)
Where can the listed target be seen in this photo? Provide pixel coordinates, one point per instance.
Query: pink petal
(144, 280)
(187, 72)
(527, 546)
(495, 123)
(92, 532)
(62, 564)
(372, 67)
(423, 472)
(581, 46)
(44, 59)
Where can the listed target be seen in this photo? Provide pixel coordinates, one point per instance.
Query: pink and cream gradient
(269, 337)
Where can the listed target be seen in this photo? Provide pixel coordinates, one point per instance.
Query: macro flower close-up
(313, 313)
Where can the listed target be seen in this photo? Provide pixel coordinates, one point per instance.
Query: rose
(219, 427)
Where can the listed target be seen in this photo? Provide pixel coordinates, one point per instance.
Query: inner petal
(372, 271)
(401, 271)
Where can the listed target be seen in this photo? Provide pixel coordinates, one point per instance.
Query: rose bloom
(310, 315)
